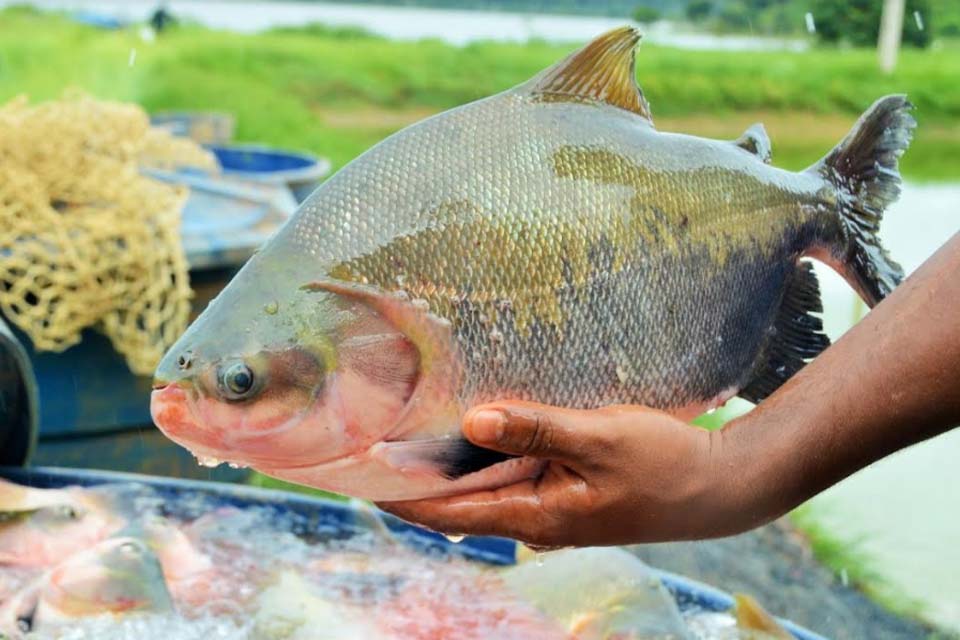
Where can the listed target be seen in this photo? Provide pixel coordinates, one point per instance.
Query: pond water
(408, 23)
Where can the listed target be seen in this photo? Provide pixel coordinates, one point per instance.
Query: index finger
(514, 511)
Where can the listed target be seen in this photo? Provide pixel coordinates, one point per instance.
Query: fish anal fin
(450, 458)
(756, 141)
(796, 336)
(602, 71)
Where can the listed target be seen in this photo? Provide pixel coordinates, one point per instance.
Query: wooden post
(891, 30)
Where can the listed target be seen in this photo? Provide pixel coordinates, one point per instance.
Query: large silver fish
(546, 243)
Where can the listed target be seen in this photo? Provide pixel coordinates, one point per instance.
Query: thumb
(523, 429)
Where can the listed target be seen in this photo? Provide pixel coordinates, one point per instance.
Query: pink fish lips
(172, 414)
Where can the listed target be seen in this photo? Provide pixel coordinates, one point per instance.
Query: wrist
(740, 483)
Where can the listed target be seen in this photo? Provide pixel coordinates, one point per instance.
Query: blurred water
(407, 23)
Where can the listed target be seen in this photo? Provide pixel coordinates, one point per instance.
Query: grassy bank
(337, 92)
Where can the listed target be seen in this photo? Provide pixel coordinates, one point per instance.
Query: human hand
(615, 475)
(629, 474)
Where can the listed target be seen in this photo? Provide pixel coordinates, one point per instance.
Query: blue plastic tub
(301, 172)
(332, 518)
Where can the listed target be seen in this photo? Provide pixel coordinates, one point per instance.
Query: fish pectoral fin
(450, 458)
(797, 335)
(602, 71)
(756, 141)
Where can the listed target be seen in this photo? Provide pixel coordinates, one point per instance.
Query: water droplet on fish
(454, 299)
(538, 559)
(455, 538)
(495, 336)
(484, 318)
(400, 279)
(420, 303)
(271, 308)
(401, 294)
(782, 369)
(236, 465)
(719, 339)
(208, 461)
(712, 411)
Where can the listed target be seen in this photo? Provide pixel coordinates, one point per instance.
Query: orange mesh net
(85, 239)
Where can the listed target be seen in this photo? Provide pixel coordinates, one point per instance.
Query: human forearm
(891, 381)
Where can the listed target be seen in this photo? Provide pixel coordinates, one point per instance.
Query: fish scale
(547, 243)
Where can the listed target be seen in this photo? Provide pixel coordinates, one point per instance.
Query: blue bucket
(333, 518)
(301, 172)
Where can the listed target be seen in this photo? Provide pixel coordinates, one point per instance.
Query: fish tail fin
(864, 170)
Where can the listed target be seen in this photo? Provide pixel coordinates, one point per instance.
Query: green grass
(282, 85)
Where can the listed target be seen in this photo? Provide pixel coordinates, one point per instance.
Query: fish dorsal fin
(602, 71)
(756, 141)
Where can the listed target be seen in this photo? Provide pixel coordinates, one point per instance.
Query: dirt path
(774, 564)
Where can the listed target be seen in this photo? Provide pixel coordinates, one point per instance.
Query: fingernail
(487, 425)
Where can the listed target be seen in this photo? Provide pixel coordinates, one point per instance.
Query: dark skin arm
(624, 475)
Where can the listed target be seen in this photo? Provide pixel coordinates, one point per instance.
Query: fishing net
(86, 240)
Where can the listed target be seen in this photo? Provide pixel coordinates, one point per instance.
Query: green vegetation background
(336, 92)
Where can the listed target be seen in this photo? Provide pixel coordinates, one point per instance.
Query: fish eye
(236, 380)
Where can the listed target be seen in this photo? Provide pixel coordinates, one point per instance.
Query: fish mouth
(173, 410)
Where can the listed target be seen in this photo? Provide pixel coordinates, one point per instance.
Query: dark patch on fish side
(463, 458)
(796, 336)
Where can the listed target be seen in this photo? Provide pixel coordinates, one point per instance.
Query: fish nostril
(185, 360)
